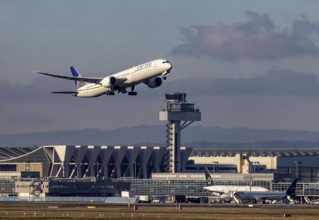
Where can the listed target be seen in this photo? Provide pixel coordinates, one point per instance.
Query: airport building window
(7, 186)
(8, 167)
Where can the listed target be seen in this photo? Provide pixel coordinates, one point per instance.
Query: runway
(66, 210)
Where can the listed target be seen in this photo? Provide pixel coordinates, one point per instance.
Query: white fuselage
(226, 191)
(227, 188)
(127, 78)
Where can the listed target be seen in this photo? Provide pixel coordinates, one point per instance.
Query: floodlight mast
(180, 114)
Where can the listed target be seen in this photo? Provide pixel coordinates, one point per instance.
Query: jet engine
(154, 82)
(109, 81)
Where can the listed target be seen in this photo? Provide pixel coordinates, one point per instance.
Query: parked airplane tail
(209, 179)
(291, 191)
(75, 73)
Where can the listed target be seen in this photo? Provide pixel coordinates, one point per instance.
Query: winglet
(209, 179)
(38, 72)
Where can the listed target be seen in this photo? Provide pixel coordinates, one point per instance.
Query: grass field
(102, 211)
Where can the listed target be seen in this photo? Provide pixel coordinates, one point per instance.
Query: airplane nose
(170, 67)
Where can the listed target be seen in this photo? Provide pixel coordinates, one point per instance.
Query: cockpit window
(166, 61)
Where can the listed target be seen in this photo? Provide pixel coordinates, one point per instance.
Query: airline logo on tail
(75, 73)
(209, 180)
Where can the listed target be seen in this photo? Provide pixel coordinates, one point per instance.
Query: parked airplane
(150, 73)
(254, 197)
(226, 191)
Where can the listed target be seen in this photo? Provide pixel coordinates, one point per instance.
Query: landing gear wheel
(132, 93)
(253, 201)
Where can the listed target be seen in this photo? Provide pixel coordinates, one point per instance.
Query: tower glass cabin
(180, 114)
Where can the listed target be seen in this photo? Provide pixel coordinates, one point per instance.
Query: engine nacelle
(109, 81)
(154, 82)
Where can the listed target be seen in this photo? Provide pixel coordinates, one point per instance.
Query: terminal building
(172, 169)
(144, 168)
(74, 161)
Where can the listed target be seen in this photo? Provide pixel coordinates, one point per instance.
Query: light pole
(134, 169)
(215, 163)
(298, 165)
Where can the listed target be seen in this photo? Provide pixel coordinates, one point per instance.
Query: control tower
(180, 114)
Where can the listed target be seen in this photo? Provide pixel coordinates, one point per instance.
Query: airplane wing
(66, 92)
(96, 80)
(214, 191)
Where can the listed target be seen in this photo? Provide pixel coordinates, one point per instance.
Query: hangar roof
(255, 152)
(12, 152)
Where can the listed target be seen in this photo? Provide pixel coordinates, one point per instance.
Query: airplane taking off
(150, 73)
(225, 191)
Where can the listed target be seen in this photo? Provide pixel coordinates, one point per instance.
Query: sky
(249, 63)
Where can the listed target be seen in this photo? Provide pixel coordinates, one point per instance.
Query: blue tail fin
(75, 73)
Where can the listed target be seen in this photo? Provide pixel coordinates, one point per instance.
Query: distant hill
(195, 136)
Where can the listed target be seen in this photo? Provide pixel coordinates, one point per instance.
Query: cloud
(30, 108)
(38, 90)
(257, 39)
(276, 82)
